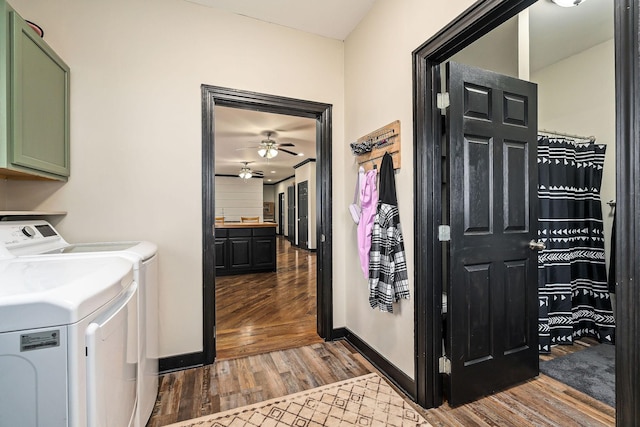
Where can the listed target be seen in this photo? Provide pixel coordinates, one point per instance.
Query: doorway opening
(212, 97)
(570, 216)
(477, 21)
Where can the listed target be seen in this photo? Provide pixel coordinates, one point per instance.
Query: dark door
(303, 214)
(291, 214)
(492, 296)
(281, 214)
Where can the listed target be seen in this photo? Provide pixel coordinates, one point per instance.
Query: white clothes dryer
(68, 342)
(39, 238)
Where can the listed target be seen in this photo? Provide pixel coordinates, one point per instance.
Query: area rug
(363, 401)
(592, 371)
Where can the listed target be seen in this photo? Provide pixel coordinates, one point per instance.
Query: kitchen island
(245, 247)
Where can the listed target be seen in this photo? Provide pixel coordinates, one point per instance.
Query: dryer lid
(140, 251)
(38, 293)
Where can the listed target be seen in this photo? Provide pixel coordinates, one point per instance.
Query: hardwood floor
(237, 382)
(261, 312)
(233, 383)
(267, 347)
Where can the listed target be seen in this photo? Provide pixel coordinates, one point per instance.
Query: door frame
(280, 214)
(482, 17)
(226, 97)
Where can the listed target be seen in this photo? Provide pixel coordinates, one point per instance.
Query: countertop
(245, 224)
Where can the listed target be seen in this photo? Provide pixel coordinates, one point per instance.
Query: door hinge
(322, 238)
(214, 331)
(442, 101)
(444, 303)
(444, 233)
(444, 365)
(213, 230)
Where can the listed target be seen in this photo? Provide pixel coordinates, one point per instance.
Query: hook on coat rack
(383, 140)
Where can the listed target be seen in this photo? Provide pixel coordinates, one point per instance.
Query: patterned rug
(363, 401)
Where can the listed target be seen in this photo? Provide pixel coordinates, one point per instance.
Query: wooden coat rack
(384, 140)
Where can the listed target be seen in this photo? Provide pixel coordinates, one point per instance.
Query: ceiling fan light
(245, 173)
(568, 3)
(268, 151)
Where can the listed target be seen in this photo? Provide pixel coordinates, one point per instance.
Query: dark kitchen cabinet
(245, 249)
(264, 248)
(240, 245)
(221, 251)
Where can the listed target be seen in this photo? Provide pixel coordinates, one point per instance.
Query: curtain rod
(554, 133)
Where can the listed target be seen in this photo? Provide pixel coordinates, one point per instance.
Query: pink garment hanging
(369, 201)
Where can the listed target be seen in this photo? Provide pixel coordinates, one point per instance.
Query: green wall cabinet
(34, 103)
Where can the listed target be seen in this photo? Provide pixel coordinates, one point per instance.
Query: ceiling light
(268, 151)
(568, 3)
(245, 172)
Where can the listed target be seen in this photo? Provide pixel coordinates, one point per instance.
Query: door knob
(536, 246)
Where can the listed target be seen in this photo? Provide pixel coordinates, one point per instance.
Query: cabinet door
(39, 103)
(264, 252)
(239, 253)
(222, 253)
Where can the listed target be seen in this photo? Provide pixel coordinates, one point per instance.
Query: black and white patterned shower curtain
(573, 293)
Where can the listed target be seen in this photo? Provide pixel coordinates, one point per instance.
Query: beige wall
(281, 187)
(496, 51)
(136, 142)
(378, 90)
(307, 172)
(268, 193)
(577, 96)
(136, 71)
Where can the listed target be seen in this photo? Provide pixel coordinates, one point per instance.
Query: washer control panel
(21, 234)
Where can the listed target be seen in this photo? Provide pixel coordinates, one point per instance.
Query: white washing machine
(68, 342)
(39, 238)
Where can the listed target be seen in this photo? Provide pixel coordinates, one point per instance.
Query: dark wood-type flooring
(267, 347)
(242, 381)
(261, 312)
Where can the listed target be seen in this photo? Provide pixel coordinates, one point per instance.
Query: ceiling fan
(246, 172)
(268, 148)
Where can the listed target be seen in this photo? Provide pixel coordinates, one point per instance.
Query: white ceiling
(238, 134)
(555, 33)
(329, 18)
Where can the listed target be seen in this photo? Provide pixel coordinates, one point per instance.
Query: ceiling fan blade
(287, 151)
(286, 144)
(303, 141)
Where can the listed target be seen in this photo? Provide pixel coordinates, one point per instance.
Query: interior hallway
(261, 312)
